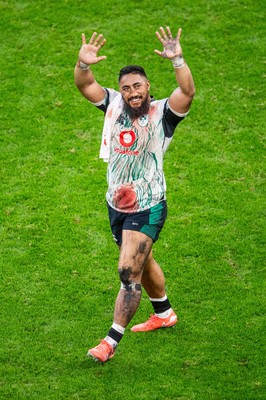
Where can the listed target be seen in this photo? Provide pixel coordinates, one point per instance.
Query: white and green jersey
(135, 174)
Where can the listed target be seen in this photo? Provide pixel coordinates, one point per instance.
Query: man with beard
(137, 132)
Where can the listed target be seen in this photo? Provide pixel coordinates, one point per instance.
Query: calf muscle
(134, 252)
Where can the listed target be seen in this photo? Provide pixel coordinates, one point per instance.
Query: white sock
(110, 340)
(159, 299)
(164, 314)
(118, 328)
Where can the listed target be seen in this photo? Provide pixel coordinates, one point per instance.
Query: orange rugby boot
(155, 322)
(103, 352)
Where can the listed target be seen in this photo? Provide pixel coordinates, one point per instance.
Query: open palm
(171, 46)
(89, 52)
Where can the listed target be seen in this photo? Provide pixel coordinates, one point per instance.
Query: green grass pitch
(58, 259)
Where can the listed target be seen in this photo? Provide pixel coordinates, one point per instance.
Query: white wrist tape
(83, 66)
(178, 61)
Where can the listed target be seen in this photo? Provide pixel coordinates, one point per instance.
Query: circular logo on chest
(127, 138)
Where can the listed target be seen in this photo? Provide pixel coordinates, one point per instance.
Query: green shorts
(150, 222)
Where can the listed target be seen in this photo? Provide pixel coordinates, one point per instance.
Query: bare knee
(128, 280)
(125, 274)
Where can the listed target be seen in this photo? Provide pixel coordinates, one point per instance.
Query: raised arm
(83, 75)
(182, 97)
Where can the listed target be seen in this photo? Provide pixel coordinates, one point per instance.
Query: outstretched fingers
(169, 32)
(161, 40)
(100, 41)
(92, 39)
(179, 34)
(161, 36)
(83, 38)
(97, 40)
(171, 45)
(165, 35)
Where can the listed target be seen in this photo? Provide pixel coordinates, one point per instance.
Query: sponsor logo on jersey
(127, 138)
(128, 152)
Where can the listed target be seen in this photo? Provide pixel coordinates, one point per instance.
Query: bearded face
(137, 112)
(135, 92)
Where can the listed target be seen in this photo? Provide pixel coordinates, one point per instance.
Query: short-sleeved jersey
(135, 174)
